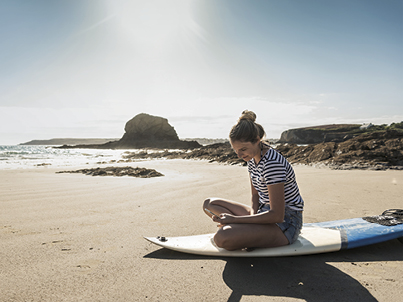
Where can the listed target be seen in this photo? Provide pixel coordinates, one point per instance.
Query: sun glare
(153, 24)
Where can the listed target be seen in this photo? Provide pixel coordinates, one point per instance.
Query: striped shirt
(272, 169)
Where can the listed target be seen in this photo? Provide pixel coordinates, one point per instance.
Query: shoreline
(76, 237)
(316, 156)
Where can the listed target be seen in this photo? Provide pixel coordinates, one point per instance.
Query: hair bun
(248, 115)
(247, 130)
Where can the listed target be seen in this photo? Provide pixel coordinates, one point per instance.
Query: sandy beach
(73, 237)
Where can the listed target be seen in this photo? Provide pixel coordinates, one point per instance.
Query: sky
(83, 68)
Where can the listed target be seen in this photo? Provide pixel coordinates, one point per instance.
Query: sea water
(19, 156)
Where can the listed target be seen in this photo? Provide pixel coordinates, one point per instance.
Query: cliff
(320, 134)
(333, 133)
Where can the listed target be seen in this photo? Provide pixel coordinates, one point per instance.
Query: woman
(275, 216)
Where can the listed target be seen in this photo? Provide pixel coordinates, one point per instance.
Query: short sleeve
(274, 172)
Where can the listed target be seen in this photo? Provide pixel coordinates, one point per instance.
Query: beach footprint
(59, 244)
(87, 266)
(8, 229)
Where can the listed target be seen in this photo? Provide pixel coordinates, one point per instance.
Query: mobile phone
(207, 210)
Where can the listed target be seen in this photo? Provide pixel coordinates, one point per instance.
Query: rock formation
(333, 133)
(118, 171)
(146, 131)
(320, 134)
(375, 150)
(220, 152)
(147, 127)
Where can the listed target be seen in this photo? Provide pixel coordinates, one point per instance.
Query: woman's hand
(224, 219)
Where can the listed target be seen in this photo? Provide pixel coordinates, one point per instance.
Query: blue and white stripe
(273, 168)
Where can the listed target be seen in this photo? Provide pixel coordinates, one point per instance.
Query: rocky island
(145, 131)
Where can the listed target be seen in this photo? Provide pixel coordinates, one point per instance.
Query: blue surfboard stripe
(344, 239)
(358, 232)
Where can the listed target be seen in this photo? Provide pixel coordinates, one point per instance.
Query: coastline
(75, 237)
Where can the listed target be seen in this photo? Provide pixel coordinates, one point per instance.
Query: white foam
(20, 157)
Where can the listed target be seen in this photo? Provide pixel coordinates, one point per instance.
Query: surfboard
(322, 237)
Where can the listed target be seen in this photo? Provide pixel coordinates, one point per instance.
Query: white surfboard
(315, 238)
(312, 240)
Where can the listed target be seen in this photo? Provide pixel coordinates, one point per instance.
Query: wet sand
(73, 237)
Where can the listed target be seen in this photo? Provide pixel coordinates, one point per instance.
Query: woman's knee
(207, 202)
(219, 238)
(222, 240)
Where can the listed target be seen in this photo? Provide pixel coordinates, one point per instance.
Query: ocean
(24, 157)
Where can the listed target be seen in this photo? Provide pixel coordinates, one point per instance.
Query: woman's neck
(263, 148)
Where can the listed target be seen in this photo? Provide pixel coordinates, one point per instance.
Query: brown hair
(247, 130)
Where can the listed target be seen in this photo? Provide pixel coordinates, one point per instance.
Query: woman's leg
(239, 236)
(218, 206)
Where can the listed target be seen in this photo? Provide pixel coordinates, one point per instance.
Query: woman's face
(246, 150)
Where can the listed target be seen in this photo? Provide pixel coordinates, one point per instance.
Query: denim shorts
(292, 224)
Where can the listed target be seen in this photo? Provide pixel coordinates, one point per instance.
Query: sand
(72, 237)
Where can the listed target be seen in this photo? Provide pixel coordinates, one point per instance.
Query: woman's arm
(255, 199)
(275, 215)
